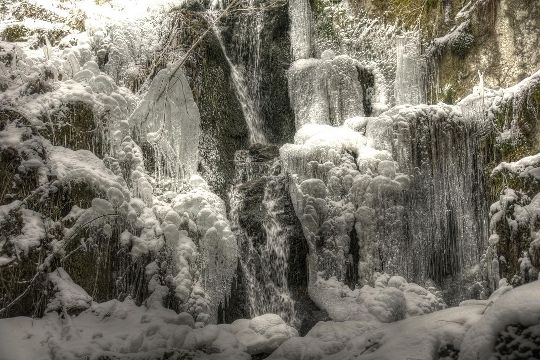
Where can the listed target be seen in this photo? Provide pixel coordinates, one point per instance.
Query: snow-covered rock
(68, 296)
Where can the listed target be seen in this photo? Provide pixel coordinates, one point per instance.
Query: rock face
(258, 43)
(512, 252)
(495, 38)
(223, 129)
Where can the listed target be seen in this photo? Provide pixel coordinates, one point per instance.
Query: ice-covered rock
(366, 198)
(205, 215)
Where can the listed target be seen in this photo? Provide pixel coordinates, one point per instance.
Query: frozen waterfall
(410, 72)
(326, 91)
(300, 20)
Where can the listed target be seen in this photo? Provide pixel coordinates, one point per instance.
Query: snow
(68, 296)
(415, 338)
(513, 220)
(262, 334)
(392, 299)
(527, 166)
(23, 239)
(11, 136)
(83, 166)
(519, 306)
(32, 232)
(471, 328)
(123, 329)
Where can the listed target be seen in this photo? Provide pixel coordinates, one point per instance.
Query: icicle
(300, 15)
(409, 85)
(169, 120)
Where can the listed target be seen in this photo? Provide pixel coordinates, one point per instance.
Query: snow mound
(517, 307)
(527, 166)
(68, 296)
(262, 334)
(83, 166)
(392, 299)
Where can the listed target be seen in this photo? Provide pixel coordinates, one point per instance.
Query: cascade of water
(268, 290)
(247, 95)
(257, 212)
(409, 85)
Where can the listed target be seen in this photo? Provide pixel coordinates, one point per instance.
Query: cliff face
(497, 38)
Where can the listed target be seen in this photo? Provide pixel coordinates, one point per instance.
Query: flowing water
(257, 212)
(250, 28)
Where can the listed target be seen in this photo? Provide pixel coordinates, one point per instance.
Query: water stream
(249, 100)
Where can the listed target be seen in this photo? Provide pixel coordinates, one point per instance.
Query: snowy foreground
(122, 330)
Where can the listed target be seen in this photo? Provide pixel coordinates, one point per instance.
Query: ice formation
(301, 32)
(113, 202)
(325, 91)
(410, 71)
(169, 120)
(386, 190)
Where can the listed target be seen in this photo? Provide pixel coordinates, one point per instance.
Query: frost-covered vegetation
(267, 179)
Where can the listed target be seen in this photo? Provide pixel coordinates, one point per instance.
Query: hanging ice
(409, 85)
(325, 91)
(300, 15)
(168, 118)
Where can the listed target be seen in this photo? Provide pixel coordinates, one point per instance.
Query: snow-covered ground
(124, 330)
